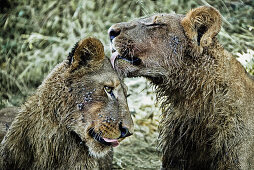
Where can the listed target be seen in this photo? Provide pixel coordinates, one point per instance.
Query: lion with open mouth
(75, 117)
(207, 97)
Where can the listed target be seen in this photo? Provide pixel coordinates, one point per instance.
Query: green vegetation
(36, 35)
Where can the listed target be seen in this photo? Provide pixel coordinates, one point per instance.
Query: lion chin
(98, 146)
(96, 149)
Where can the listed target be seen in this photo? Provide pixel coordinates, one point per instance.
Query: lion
(75, 117)
(207, 97)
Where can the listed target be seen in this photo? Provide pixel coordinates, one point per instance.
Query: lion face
(98, 115)
(153, 46)
(140, 47)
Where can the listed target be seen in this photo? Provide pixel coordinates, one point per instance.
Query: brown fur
(53, 129)
(206, 96)
(7, 115)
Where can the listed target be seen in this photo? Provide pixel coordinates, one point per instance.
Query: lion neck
(36, 141)
(198, 109)
(191, 81)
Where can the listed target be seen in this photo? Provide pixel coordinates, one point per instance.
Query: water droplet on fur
(89, 93)
(80, 106)
(6, 126)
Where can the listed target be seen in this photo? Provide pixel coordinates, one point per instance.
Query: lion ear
(89, 51)
(201, 25)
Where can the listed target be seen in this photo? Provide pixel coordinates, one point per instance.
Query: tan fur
(53, 128)
(206, 96)
(7, 115)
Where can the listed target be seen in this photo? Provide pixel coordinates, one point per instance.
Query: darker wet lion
(207, 96)
(75, 117)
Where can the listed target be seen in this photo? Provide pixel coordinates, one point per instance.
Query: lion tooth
(113, 58)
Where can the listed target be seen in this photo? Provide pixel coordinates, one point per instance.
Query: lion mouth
(132, 60)
(104, 141)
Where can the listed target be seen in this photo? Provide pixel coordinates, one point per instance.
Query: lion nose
(113, 33)
(124, 131)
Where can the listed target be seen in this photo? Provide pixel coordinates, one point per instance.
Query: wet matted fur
(74, 118)
(206, 95)
(7, 115)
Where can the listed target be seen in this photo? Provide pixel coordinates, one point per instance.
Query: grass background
(36, 35)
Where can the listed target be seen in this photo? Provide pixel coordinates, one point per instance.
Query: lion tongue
(113, 58)
(114, 142)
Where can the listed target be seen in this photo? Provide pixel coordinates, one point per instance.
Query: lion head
(88, 98)
(157, 45)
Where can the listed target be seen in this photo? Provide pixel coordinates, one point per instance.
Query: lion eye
(155, 25)
(109, 90)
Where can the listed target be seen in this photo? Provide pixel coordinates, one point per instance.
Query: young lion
(76, 116)
(7, 115)
(207, 96)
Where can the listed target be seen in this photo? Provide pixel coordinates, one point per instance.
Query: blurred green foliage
(36, 35)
